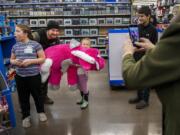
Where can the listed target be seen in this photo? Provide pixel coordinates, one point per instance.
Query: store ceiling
(144, 2)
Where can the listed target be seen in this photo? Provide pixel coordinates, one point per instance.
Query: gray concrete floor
(108, 113)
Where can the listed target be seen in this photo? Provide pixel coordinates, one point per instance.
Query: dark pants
(44, 89)
(25, 87)
(143, 94)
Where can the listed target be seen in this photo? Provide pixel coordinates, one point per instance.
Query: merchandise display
(78, 18)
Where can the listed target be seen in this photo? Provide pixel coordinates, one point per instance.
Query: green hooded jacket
(160, 68)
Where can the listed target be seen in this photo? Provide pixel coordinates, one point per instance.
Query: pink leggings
(82, 83)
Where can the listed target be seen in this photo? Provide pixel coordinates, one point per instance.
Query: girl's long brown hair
(26, 30)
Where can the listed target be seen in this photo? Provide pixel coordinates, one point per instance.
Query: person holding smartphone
(146, 30)
(159, 68)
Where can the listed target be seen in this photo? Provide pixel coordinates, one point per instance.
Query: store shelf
(66, 16)
(81, 36)
(6, 38)
(98, 46)
(77, 19)
(75, 26)
(62, 3)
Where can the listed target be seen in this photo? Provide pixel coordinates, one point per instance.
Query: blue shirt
(24, 51)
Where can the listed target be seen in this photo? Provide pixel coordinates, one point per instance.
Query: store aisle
(108, 114)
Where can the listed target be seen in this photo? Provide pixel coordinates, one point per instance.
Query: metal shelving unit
(37, 15)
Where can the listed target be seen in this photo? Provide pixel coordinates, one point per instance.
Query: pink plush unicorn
(64, 58)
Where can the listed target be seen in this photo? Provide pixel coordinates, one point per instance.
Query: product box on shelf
(110, 10)
(109, 21)
(67, 22)
(117, 21)
(60, 21)
(84, 21)
(101, 40)
(22, 21)
(93, 42)
(68, 32)
(101, 21)
(8, 1)
(93, 32)
(76, 32)
(126, 21)
(33, 22)
(42, 22)
(75, 21)
(85, 32)
(22, 1)
(76, 11)
(44, 0)
(93, 21)
(103, 52)
(34, 1)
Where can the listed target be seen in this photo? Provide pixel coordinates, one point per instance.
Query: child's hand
(26, 62)
(17, 62)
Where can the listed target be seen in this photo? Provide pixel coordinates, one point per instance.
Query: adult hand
(128, 47)
(144, 44)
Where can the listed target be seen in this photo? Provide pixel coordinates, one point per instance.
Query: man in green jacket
(158, 68)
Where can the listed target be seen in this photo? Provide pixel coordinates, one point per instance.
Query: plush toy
(64, 58)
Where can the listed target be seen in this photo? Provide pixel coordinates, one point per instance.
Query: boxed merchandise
(93, 32)
(67, 22)
(76, 32)
(60, 21)
(110, 10)
(85, 32)
(103, 52)
(86, 0)
(44, 0)
(22, 1)
(84, 21)
(33, 22)
(76, 11)
(101, 21)
(93, 42)
(34, 1)
(101, 40)
(92, 21)
(126, 20)
(42, 23)
(22, 21)
(75, 21)
(117, 21)
(8, 1)
(68, 32)
(109, 21)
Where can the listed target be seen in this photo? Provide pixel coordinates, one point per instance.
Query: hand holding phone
(134, 34)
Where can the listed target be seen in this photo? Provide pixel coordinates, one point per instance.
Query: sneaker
(47, 100)
(84, 105)
(26, 122)
(142, 104)
(80, 101)
(134, 100)
(42, 117)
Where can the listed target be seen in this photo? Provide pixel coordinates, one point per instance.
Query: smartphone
(134, 33)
